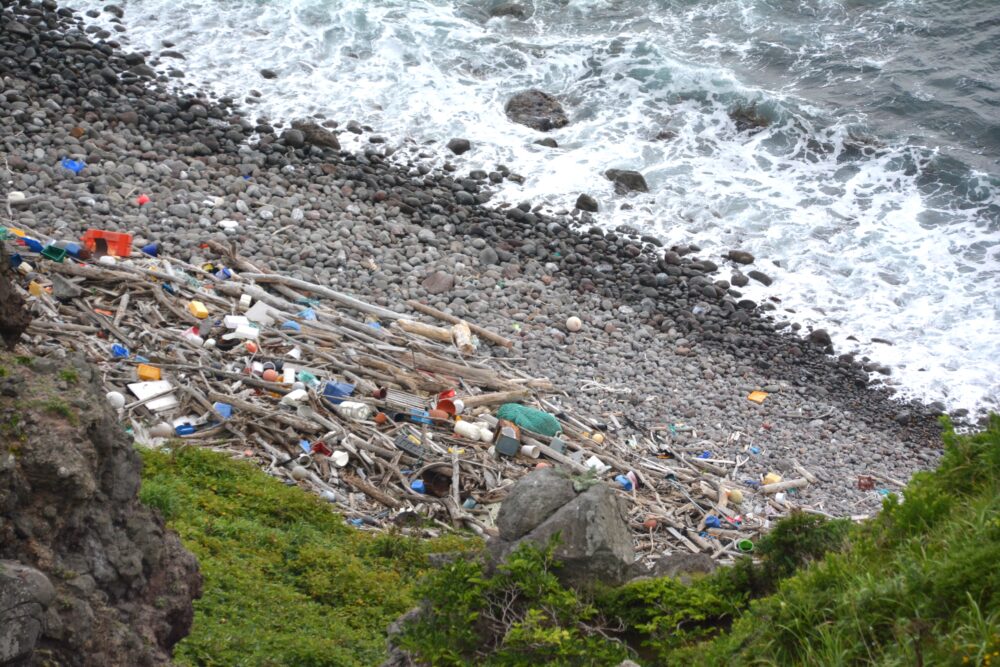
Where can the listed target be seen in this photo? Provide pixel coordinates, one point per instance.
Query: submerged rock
(539, 111)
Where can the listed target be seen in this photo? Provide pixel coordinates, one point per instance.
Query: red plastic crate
(101, 243)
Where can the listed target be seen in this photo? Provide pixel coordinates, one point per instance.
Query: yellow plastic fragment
(772, 478)
(198, 309)
(757, 396)
(34, 289)
(148, 373)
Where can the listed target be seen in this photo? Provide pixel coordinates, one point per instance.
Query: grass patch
(287, 582)
(69, 376)
(56, 406)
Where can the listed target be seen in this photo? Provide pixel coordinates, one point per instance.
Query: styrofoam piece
(235, 321)
(597, 464)
(261, 313)
(144, 390)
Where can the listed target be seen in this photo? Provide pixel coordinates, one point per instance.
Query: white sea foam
(858, 235)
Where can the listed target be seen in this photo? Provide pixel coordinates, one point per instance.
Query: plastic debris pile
(394, 420)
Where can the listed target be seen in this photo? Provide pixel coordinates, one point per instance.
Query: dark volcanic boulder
(118, 586)
(626, 180)
(537, 110)
(587, 203)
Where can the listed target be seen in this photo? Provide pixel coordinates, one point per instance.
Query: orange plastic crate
(101, 243)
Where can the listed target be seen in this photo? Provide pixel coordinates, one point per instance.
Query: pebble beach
(667, 342)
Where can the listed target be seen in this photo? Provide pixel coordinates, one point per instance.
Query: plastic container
(746, 546)
(295, 396)
(336, 392)
(624, 482)
(531, 451)
(102, 242)
(354, 411)
(198, 309)
(223, 409)
(53, 253)
(468, 430)
(148, 373)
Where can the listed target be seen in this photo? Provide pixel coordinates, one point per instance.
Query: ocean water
(872, 197)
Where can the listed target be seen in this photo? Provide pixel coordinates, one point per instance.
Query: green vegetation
(69, 376)
(287, 581)
(918, 585)
(57, 406)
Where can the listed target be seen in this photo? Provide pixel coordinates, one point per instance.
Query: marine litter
(398, 417)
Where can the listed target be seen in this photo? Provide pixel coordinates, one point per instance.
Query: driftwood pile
(186, 379)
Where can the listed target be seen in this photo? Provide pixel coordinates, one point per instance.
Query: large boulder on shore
(539, 111)
(316, 135)
(594, 542)
(626, 180)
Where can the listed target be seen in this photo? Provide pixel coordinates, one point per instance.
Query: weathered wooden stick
(445, 317)
(495, 398)
(805, 473)
(783, 486)
(287, 420)
(426, 330)
(343, 299)
(371, 491)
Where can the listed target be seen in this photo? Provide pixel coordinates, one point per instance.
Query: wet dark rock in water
(747, 117)
(586, 203)
(459, 146)
(268, 73)
(548, 142)
(519, 10)
(539, 111)
(760, 277)
(626, 180)
(740, 257)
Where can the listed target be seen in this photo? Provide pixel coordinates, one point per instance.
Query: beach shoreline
(664, 342)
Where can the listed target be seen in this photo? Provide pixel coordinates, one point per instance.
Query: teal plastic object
(530, 419)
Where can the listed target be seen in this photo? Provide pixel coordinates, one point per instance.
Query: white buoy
(574, 324)
(116, 399)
